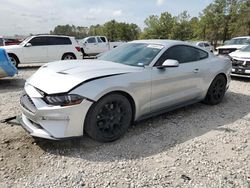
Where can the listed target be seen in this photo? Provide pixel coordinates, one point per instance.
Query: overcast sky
(41, 16)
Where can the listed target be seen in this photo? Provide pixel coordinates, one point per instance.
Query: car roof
(241, 37)
(163, 42)
(52, 36)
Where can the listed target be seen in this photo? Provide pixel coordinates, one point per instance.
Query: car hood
(10, 47)
(230, 47)
(62, 76)
(240, 55)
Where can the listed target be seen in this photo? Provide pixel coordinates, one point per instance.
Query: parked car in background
(206, 45)
(241, 62)
(94, 45)
(233, 44)
(6, 67)
(2, 43)
(11, 41)
(44, 48)
(136, 80)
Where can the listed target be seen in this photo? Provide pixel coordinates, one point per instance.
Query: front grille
(226, 51)
(27, 103)
(241, 63)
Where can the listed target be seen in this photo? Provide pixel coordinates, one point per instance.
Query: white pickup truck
(93, 45)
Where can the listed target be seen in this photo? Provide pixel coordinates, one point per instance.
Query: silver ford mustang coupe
(103, 97)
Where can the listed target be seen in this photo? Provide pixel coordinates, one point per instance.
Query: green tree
(182, 29)
(159, 27)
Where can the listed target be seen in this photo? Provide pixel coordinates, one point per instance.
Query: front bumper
(241, 67)
(52, 122)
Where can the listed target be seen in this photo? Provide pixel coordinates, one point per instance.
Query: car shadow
(156, 134)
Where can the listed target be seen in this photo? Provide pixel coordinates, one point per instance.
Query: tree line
(219, 21)
(113, 30)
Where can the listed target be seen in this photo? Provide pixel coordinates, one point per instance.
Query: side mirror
(169, 63)
(28, 45)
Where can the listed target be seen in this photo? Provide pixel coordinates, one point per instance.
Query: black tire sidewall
(13, 56)
(72, 55)
(90, 126)
(209, 97)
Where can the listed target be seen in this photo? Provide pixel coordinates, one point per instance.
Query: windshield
(245, 49)
(134, 54)
(238, 41)
(25, 41)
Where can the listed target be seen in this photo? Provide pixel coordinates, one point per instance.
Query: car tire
(68, 56)
(109, 118)
(216, 90)
(83, 53)
(14, 60)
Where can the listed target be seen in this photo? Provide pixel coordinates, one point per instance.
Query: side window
(91, 40)
(206, 44)
(103, 39)
(99, 40)
(59, 41)
(201, 44)
(39, 41)
(183, 54)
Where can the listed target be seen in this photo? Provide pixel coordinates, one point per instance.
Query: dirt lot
(197, 146)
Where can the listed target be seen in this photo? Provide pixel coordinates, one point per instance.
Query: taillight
(78, 48)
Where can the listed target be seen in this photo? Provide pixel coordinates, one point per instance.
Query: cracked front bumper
(52, 122)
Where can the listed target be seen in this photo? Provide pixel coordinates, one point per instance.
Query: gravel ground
(196, 146)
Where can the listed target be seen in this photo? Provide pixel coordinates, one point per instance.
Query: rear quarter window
(60, 41)
(103, 39)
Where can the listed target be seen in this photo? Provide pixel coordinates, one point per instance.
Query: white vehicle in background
(241, 62)
(94, 45)
(43, 49)
(233, 45)
(203, 44)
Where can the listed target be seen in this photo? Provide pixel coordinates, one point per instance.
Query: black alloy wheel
(216, 90)
(109, 118)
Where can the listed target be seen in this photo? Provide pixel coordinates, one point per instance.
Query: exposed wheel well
(68, 53)
(130, 99)
(15, 56)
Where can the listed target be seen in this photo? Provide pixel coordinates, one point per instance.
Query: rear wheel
(216, 90)
(13, 60)
(68, 57)
(109, 118)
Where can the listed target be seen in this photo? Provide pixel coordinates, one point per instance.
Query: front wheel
(216, 90)
(109, 118)
(13, 60)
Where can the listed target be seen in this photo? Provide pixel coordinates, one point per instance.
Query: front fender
(138, 87)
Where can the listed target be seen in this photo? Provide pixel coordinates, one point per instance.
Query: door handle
(196, 70)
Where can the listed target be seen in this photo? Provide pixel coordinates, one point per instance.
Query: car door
(58, 46)
(102, 45)
(91, 46)
(36, 50)
(177, 85)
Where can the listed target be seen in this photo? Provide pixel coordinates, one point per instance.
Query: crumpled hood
(230, 47)
(62, 76)
(240, 55)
